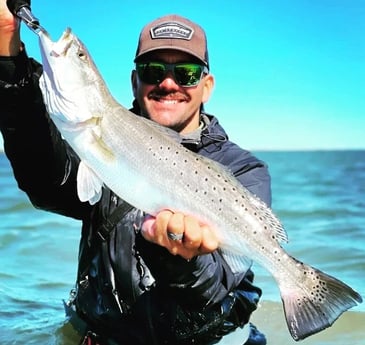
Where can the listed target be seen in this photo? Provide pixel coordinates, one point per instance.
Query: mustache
(166, 94)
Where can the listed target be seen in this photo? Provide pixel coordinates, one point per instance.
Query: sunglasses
(186, 74)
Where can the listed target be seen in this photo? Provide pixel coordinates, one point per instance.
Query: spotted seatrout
(146, 165)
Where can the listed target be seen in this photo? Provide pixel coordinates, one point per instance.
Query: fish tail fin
(315, 302)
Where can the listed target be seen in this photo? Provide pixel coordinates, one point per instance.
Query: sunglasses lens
(151, 73)
(188, 74)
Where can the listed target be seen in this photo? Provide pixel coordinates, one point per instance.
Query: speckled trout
(146, 165)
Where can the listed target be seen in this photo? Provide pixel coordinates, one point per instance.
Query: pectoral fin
(102, 150)
(89, 185)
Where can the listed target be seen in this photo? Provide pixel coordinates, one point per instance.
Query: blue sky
(289, 74)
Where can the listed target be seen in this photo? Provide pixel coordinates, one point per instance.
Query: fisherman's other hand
(7, 21)
(180, 234)
(10, 43)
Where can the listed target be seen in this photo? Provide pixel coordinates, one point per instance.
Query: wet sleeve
(43, 165)
(206, 279)
(198, 301)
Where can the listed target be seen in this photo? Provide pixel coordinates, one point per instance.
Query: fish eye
(81, 55)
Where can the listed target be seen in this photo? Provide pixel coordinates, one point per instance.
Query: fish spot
(318, 294)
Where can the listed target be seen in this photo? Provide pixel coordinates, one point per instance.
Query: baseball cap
(173, 32)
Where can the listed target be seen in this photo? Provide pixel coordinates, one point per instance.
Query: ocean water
(318, 195)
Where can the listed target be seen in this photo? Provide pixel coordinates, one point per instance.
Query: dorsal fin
(271, 219)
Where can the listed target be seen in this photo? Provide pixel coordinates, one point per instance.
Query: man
(141, 280)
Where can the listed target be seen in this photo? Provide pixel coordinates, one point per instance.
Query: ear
(134, 82)
(207, 87)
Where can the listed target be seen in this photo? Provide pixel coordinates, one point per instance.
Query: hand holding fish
(10, 44)
(196, 238)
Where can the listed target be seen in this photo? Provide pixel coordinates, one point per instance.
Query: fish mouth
(55, 49)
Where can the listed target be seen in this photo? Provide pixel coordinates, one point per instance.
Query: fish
(146, 165)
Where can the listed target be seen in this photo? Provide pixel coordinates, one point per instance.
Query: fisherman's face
(169, 103)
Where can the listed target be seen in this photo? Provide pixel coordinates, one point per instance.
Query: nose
(169, 82)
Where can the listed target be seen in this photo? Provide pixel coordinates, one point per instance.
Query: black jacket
(127, 288)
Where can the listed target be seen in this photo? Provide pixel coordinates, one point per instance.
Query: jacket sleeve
(202, 298)
(197, 301)
(205, 279)
(43, 165)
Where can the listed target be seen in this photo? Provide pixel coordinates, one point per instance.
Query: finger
(209, 241)
(148, 227)
(162, 221)
(154, 228)
(176, 227)
(193, 234)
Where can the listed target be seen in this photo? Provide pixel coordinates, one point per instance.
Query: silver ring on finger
(175, 237)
